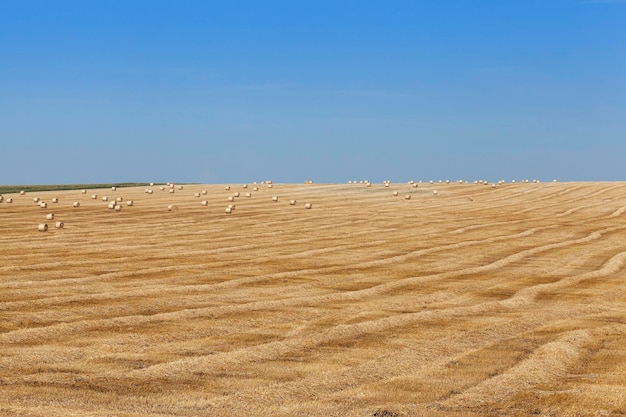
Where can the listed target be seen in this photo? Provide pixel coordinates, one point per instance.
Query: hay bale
(43, 227)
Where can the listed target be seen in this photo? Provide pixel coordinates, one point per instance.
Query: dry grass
(475, 302)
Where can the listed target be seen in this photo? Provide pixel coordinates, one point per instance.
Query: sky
(330, 91)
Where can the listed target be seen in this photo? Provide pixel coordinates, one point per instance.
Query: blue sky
(238, 91)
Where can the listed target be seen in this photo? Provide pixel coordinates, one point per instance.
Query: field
(478, 301)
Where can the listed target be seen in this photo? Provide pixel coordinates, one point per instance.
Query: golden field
(478, 301)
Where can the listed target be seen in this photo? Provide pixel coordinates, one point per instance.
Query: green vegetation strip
(8, 189)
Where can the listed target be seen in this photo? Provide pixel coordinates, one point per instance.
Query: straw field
(477, 301)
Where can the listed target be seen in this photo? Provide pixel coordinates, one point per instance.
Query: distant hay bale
(274, 199)
(255, 189)
(407, 197)
(386, 185)
(43, 205)
(205, 203)
(493, 186)
(50, 216)
(94, 196)
(292, 202)
(248, 195)
(231, 206)
(112, 205)
(59, 225)
(203, 192)
(22, 192)
(180, 187)
(227, 187)
(75, 204)
(36, 200)
(447, 181)
(151, 184)
(172, 207)
(554, 180)
(161, 188)
(9, 200)
(105, 198)
(43, 227)
(113, 188)
(83, 191)
(231, 198)
(228, 210)
(431, 182)
(435, 192)
(245, 186)
(308, 205)
(236, 194)
(118, 208)
(196, 195)
(129, 203)
(395, 193)
(414, 185)
(172, 191)
(150, 191)
(411, 182)
(55, 200)
(270, 185)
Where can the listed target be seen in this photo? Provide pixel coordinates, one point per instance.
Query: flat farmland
(477, 301)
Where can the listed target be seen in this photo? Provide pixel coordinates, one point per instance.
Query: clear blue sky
(238, 91)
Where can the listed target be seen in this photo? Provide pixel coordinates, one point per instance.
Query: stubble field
(478, 301)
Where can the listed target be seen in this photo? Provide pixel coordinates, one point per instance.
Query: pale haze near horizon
(222, 92)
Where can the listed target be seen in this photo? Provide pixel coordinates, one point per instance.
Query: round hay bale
(105, 198)
(83, 191)
(113, 188)
(55, 200)
(203, 192)
(395, 193)
(118, 208)
(231, 198)
(22, 192)
(435, 192)
(245, 186)
(180, 187)
(292, 202)
(197, 195)
(36, 200)
(236, 194)
(112, 205)
(205, 203)
(172, 207)
(227, 188)
(151, 184)
(59, 225)
(94, 196)
(255, 189)
(171, 191)
(407, 197)
(161, 188)
(228, 210)
(43, 227)
(129, 203)
(43, 205)
(9, 200)
(274, 199)
(50, 216)
(308, 205)
(248, 195)
(75, 204)
(270, 185)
